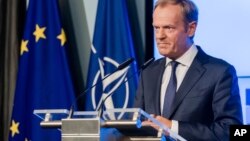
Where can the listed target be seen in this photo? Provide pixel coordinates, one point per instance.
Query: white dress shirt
(185, 62)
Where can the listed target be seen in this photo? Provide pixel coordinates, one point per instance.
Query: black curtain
(143, 53)
(12, 15)
(149, 31)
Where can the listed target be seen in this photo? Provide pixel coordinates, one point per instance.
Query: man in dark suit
(206, 98)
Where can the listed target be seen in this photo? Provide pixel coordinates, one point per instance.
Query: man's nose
(160, 34)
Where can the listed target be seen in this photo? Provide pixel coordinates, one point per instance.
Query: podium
(126, 125)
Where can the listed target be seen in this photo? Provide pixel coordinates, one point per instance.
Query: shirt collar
(187, 58)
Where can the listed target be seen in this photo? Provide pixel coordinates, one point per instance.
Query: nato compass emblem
(115, 80)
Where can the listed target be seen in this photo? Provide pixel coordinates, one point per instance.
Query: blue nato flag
(44, 80)
(112, 45)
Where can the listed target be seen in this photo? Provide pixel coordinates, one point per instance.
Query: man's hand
(161, 119)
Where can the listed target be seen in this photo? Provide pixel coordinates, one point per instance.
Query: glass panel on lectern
(121, 114)
(85, 114)
(59, 114)
(51, 114)
(129, 122)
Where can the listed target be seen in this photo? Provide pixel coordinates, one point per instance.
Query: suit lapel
(158, 85)
(194, 73)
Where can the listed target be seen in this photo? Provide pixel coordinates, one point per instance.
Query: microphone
(144, 66)
(125, 64)
(120, 67)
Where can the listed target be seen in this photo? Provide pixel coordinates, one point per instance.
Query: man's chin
(164, 52)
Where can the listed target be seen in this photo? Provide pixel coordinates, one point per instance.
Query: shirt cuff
(175, 126)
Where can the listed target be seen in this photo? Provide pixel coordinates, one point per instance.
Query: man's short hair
(189, 9)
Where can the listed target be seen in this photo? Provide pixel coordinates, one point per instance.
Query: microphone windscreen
(125, 64)
(146, 64)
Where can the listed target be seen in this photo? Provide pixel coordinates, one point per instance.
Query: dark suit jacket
(206, 103)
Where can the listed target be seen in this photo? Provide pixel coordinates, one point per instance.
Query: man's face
(172, 34)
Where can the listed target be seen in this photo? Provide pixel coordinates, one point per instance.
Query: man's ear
(192, 28)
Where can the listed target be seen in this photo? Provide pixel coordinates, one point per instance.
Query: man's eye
(170, 29)
(156, 27)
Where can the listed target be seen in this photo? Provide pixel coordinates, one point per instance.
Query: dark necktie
(170, 92)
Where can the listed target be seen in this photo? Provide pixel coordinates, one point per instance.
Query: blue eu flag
(248, 97)
(44, 80)
(112, 45)
(248, 106)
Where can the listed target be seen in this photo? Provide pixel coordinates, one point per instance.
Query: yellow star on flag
(62, 37)
(14, 128)
(24, 47)
(39, 32)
